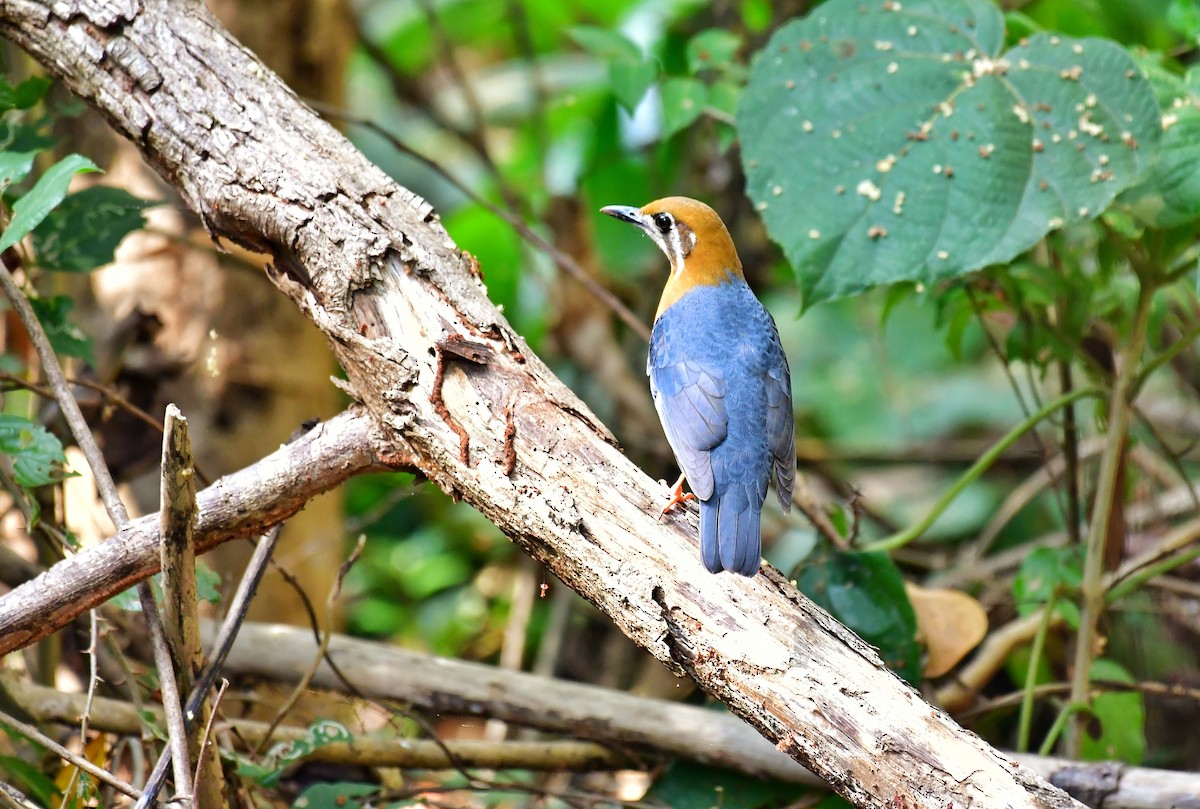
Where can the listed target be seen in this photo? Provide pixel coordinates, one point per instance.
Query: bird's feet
(678, 495)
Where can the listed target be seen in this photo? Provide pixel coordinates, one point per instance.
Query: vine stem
(1025, 721)
(902, 538)
(1092, 587)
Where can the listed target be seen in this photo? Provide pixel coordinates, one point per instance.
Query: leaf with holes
(886, 142)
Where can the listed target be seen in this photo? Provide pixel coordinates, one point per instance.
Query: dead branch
(239, 505)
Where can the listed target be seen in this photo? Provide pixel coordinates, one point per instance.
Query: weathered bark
(243, 504)
(451, 384)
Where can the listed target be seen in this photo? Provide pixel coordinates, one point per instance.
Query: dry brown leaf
(950, 624)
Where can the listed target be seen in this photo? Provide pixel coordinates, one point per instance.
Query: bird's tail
(730, 531)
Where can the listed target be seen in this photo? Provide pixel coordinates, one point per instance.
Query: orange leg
(677, 496)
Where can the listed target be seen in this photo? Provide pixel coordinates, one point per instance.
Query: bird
(720, 381)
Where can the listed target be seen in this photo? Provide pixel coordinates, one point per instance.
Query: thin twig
(323, 647)
(93, 679)
(176, 750)
(206, 737)
(1070, 455)
(445, 49)
(99, 773)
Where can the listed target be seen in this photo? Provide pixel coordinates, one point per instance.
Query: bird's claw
(678, 495)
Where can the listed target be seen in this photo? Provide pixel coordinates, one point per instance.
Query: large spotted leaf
(887, 141)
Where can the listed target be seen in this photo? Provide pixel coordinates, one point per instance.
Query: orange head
(693, 238)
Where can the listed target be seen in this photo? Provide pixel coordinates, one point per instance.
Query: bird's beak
(625, 213)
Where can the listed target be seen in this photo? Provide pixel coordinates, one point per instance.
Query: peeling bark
(371, 265)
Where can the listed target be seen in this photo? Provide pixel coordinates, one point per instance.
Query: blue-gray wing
(690, 399)
(781, 424)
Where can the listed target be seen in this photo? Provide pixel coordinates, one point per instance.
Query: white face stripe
(671, 242)
(676, 254)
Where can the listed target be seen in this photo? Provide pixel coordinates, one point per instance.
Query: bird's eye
(663, 221)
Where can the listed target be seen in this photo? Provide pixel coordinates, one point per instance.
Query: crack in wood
(463, 348)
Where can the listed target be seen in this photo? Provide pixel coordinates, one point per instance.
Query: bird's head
(693, 238)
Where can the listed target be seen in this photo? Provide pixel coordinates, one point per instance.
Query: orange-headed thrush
(720, 381)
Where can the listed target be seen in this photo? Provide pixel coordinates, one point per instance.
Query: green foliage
(1121, 716)
(683, 102)
(417, 577)
(865, 591)
(37, 456)
(76, 232)
(280, 757)
(83, 232)
(24, 95)
(1169, 195)
(1046, 574)
(938, 153)
(32, 780)
(65, 337)
(14, 167)
(39, 201)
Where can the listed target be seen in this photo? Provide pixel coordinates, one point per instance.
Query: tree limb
(433, 361)
(239, 505)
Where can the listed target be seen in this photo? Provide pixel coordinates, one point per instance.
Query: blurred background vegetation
(518, 120)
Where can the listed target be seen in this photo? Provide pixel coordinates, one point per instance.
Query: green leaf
(83, 232)
(1122, 719)
(65, 337)
(280, 757)
(605, 43)
(1046, 573)
(713, 49)
(1170, 193)
(927, 154)
(34, 781)
(24, 95)
(756, 15)
(14, 166)
(37, 456)
(47, 192)
(689, 785)
(631, 79)
(683, 101)
(865, 591)
(208, 583)
(1184, 17)
(724, 96)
